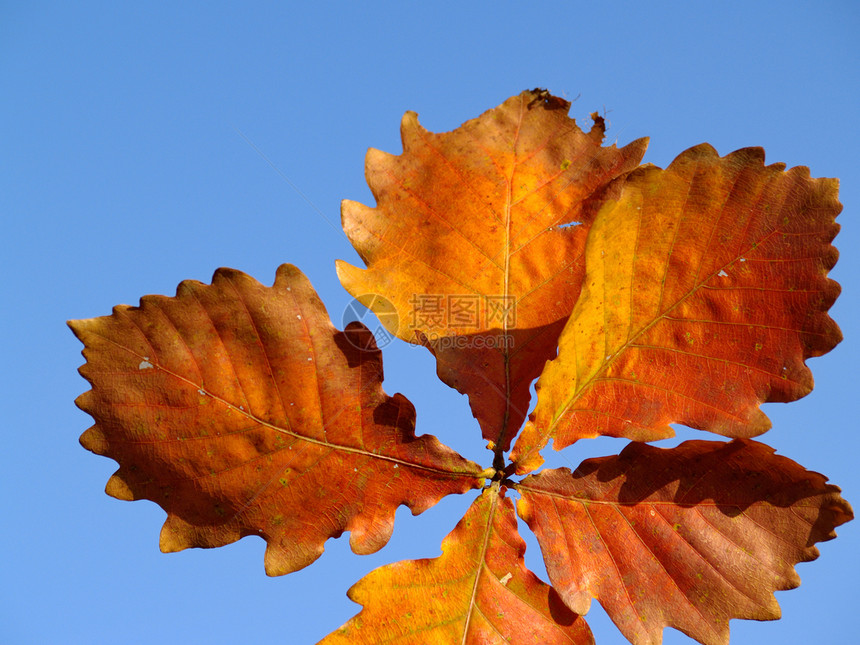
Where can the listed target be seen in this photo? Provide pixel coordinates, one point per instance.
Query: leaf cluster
(517, 247)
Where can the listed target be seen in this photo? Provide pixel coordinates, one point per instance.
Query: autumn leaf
(687, 537)
(477, 592)
(476, 244)
(706, 290)
(241, 410)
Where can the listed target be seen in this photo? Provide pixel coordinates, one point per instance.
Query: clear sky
(145, 143)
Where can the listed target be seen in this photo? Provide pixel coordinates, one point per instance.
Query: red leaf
(241, 410)
(687, 537)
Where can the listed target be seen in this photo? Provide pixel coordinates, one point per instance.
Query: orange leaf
(686, 537)
(241, 410)
(705, 292)
(476, 244)
(477, 592)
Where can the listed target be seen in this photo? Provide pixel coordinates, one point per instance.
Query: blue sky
(147, 143)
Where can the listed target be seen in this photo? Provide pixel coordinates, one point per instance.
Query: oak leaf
(241, 410)
(477, 592)
(686, 537)
(706, 290)
(477, 242)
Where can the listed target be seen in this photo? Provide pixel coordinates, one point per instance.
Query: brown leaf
(476, 244)
(477, 592)
(241, 410)
(706, 290)
(686, 537)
